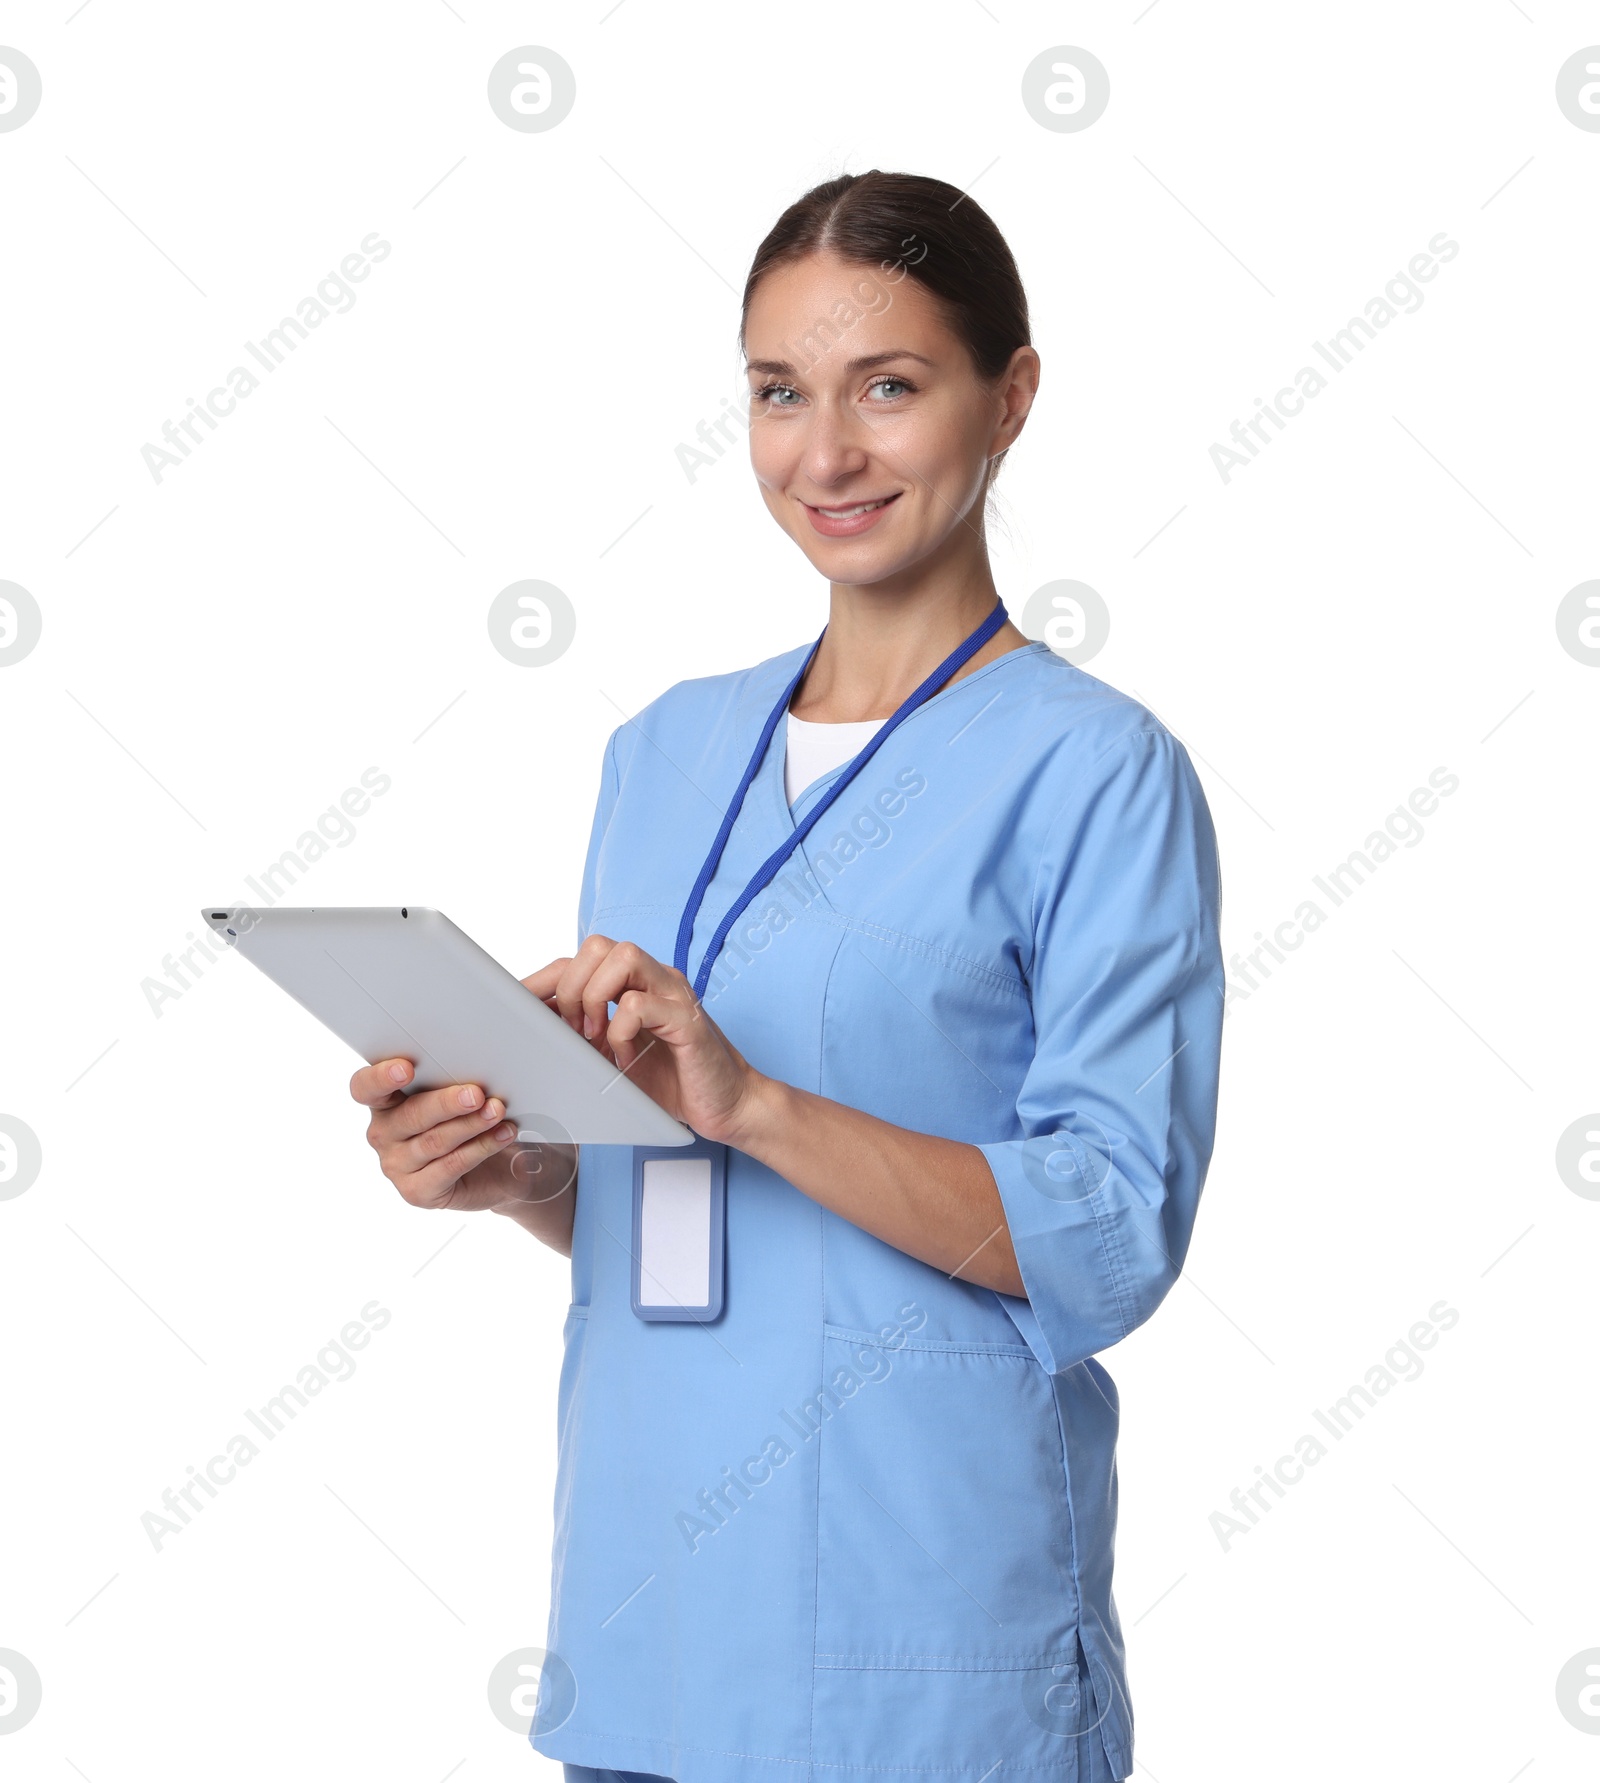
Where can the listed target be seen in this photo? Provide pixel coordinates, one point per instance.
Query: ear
(1018, 386)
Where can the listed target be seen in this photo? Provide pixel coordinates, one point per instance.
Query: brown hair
(946, 241)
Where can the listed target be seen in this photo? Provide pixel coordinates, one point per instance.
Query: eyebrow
(782, 367)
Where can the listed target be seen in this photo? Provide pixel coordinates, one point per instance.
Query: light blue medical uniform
(862, 1523)
(582, 1773)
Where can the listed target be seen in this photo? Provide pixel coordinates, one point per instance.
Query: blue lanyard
(771, 864)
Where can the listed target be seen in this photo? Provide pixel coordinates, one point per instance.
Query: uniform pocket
(944, 1534)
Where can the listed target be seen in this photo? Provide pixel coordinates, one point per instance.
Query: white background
(226, 651)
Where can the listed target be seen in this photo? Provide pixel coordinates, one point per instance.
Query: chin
(854, 569)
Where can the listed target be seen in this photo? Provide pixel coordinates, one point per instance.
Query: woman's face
(860, 394)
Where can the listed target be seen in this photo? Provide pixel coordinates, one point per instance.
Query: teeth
(850, 513)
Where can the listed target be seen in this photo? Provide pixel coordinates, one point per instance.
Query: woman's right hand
(452, 1147)
(440, 1148)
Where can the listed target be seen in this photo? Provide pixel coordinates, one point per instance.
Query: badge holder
(680, 1229)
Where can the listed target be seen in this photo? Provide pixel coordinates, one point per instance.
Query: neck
(879, 648)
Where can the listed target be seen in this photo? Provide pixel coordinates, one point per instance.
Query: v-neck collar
(767, 788)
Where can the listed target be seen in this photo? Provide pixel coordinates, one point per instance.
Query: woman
(961, 1047)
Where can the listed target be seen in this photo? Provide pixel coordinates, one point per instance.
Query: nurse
(916, 925)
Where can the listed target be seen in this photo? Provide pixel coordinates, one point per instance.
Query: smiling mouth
(849, 513)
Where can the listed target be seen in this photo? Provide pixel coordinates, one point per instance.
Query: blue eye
(768, 393)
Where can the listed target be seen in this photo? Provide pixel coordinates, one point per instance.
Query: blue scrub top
(864, 1521)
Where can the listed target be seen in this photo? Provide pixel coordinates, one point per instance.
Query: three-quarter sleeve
(1118, 1108)
(605, 804)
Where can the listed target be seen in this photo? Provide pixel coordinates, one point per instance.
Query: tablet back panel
(405, 982)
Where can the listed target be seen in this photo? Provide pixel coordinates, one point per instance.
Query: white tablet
(404, 982)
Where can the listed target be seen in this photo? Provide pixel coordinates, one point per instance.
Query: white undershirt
(815, 748)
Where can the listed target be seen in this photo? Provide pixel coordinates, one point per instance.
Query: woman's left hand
(660, 1035)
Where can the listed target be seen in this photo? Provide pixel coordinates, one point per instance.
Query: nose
(837, 445)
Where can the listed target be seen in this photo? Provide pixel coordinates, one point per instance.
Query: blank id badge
(680, 1228)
